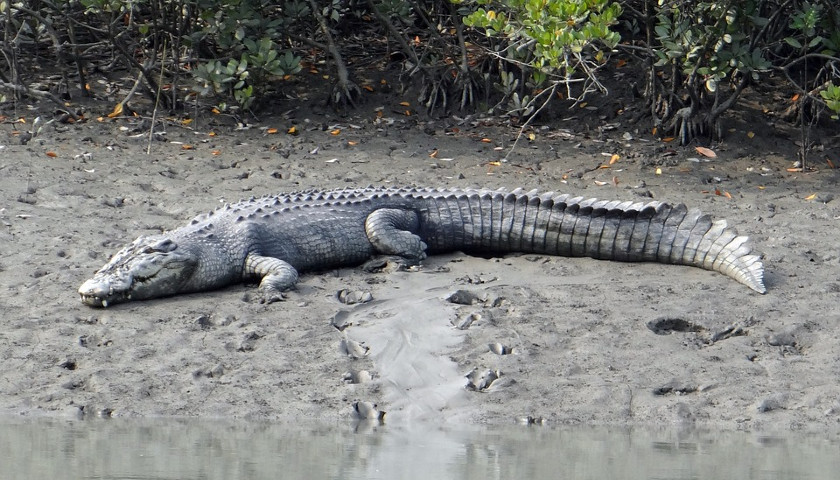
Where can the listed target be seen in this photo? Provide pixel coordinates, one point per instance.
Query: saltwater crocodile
(272, 238)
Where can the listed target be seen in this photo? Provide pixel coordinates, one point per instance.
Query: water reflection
(203, 449)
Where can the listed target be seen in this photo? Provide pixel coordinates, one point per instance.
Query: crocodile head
(152, 266)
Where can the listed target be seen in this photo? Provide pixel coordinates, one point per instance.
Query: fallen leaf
(811, 196)
(383, 82)
(216, 152)
(614, 158)
(117, 111)
(352, 143)
(795, 98)
(658, 171)
(794, 169)
(532, 136)
(434, 153)
(761, 187)
(186, 121)
(186, 147)
(292, 131)
(620, 63)
(211, 134)
(706, 152)
(750, 134)
(603, 166)
(600, 183)
(495, 164)
(407, 113)
(727, 195)
(829, 162)
(335, 132)
(653, 131)
(486, 140)
(271, 130)
(368, 88)
(52, 154)
(405, 104)
(668, 139)
(215, 111)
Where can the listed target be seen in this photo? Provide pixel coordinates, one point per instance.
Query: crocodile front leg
(390, 232)
(277, 275)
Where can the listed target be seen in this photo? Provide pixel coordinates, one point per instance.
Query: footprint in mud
(500, 349)
(466, 321)
(480, 380)
(354, 349)
(368, 411)
(355, 377)
(352, 297)
(667, 326)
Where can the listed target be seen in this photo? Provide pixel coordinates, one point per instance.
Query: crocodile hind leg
(277, 276)
(390, 232)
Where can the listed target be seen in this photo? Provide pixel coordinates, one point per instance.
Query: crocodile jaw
(152, 266)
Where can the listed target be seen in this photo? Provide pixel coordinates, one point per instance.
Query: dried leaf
(216, 152)
(186, 121)
(215, 111)
(211, 134)
(614, 158)
(486, 140)
(368, 88)
(761, 187)
(600, 183)
(292, 131)
(405, 104)
(271, 130)
(118, 109)
(186, 147)
(794, 169)
(352, 143)
(668, 139)
(706, 152)
(727, 194)
(495, 164)
(658, 171)
(335, 132)
(795, 98)
(653, 131)
(811, 196)
(829, 162)
(407, 113)
(603, 166)
(52, 154)
(434, 153)
(620, 63)
(532, 136)
(750, 134)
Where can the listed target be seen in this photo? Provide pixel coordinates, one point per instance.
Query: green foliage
(549, 35)
(831, 96)
(244, 31)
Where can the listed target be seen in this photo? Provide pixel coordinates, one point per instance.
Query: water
(202, 449)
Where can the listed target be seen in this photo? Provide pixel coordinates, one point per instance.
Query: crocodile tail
(655, 232)
(625, 231)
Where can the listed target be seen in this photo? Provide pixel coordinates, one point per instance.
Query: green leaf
(793, 42)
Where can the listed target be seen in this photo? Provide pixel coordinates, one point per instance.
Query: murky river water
(204, 449)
